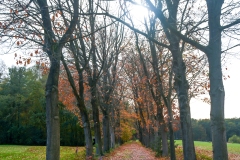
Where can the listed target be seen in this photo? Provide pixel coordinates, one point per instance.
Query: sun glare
(139, 13)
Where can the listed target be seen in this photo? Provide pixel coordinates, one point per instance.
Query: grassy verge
(18, 152)
(233, 148)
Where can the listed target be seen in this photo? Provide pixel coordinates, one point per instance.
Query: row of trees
(23, 113)
(202, 129)
(144, 72)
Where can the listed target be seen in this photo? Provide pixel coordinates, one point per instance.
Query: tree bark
(87, 133)
(171, 136)
(112, 135)
(118, 126)
(181, 86)
(97, 131)
(164, 140)
(217, 93)
(106, 133)
(52, 111)
(112, 127)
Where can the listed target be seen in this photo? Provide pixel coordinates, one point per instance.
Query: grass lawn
(232, 147)
(18, 152)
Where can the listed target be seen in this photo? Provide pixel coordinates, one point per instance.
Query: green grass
(232, 147)
(18, 152)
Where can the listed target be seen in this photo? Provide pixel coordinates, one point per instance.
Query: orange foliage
(66, 95)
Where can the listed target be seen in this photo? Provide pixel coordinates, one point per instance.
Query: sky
(199, 109)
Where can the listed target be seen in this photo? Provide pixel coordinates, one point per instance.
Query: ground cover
(18, 152)
(128, 151)
(206, 148)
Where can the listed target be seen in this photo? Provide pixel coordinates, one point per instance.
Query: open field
(18, 152)
(233, 148)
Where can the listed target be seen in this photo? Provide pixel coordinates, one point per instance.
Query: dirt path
(135, 151)
(131, 151)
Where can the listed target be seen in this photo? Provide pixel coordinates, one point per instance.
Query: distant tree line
(23, 113)
(202, 129)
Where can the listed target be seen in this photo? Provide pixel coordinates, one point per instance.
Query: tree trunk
(106, 132)
(161, 130)
(112, 128)
(171, 136)
(164, 140)
(54, 51)
(87, 133)
(145, 137)
(97, 131)
(118, 127)
(112, 135)
(52, 111)
(151, 136)
(181, 86)
(217, 93)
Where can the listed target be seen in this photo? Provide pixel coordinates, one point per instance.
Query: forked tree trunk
(80, 100)
(54, 51)
(52, 110)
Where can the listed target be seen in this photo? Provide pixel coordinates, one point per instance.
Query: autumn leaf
(28, 60)
(53, 18)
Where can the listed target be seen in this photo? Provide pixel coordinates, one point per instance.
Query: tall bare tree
(24, 21)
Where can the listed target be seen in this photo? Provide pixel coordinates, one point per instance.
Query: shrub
(126, 134)
(234, 139)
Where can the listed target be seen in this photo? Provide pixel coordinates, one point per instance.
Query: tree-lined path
(132, 151)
